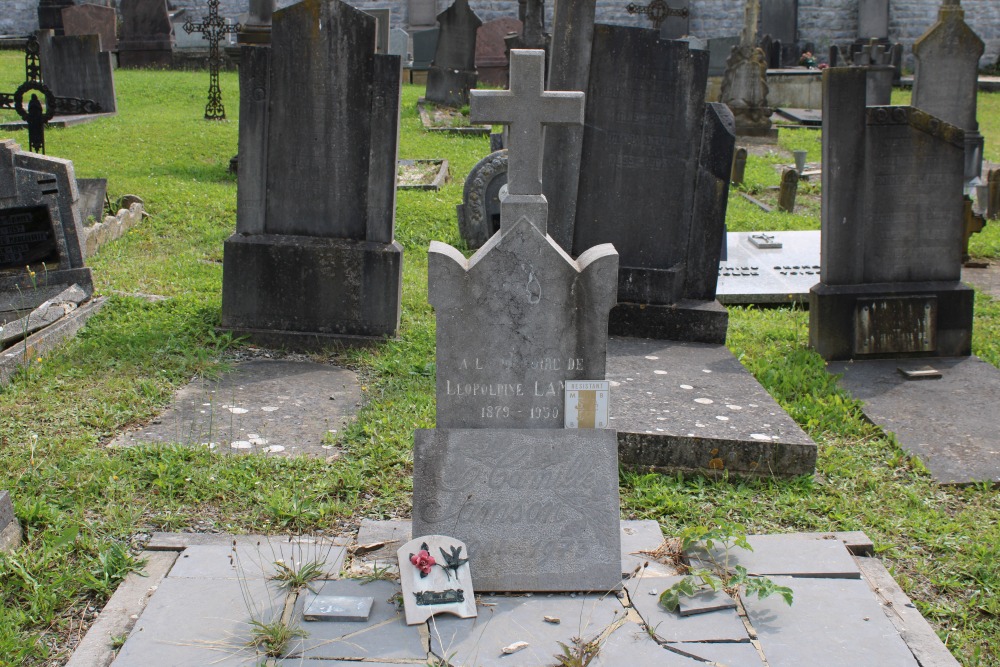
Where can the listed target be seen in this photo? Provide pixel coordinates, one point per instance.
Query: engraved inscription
(26, 237)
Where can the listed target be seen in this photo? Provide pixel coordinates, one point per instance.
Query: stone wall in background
(820, 21)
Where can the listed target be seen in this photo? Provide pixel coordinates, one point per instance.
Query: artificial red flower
(423, 561)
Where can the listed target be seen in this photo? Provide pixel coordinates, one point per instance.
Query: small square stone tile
(631, 645)
(638, 536)
(792, 555)
(502, 621)
(198, 622)
(669, 626)
(384, 635)
(257, 560)
(723, 654)
(832, 623)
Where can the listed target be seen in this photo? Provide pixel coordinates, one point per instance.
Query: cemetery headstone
(892, 230)
(50, 14)
(147, 36)
(76, 66)
(421, 13)
(424, 46)
(40, 228)
(946, 78)
(656, 164)
(453, 72)
(213, 28)
(788, 190)
(399, 44)
(257, 27)
(514, 322)
(435, 576)
(873, 19)
(739, 165)
(383, 17)
(92, 20)
(744, 83)
(719, 50)
(313, 260)
(491, 50)
(780, 20)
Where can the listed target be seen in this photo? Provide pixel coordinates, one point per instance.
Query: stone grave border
(425, 120)
(442, 177)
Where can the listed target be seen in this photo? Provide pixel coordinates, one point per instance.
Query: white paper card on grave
(436, 578)
(587, 403)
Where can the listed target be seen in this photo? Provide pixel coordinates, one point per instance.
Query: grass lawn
(87, 509)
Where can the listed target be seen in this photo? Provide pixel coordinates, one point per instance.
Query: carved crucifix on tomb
(43, 103)
(525, 109)
(656, 11)
(213, 28)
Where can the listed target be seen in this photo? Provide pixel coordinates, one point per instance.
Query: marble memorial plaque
(436, 578)
(538, 508)
(337, 608)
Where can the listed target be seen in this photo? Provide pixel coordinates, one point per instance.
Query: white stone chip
(704, 401)
(269, 408)
(721, 418)
(514, 648)
(760, 436)
(273, 449)
(237, 411)
(652, 357)
(660, 372)
(735, 407)
(240, 444)
(686, 386)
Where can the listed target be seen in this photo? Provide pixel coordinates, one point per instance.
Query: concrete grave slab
(384, 635)
(393, 533)
(750, 274)
(638, 537)
(816, 556)
(807, 117)
(631, 645)
(181, 541)
(833, 622)
(227, 562)
(669, 626)
(721, 653)
(985, 279)
(504, 620)
(196, 622)
(948, 423)
(705, 602)
(277, 407)
(692, 406)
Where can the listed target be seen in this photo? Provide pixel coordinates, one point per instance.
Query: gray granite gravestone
(399, 44)
(892, 230)
(514, 322)
(780, 20)
(420, 13)
(313, 260)
(946, 78)
(744, 83)
(41, 224)
(75, 66)
(92, 20)
(424, 46)
(491, 50)
(453, 72)
(655, 166)
(147, 38)
(873, 19)
(719, 50)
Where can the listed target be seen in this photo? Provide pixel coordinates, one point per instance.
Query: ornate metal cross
(525, 109)
(657, 11)
(213, 28)
(36, 115)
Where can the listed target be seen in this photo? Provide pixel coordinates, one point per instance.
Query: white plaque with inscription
(587, 403)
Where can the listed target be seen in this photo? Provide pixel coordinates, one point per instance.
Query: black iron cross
(37, 114)
(213, 28)
(657, 11)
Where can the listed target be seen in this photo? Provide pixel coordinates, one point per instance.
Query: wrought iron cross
(525, 109)
(213, 28)
(657, 11)
(37, 115)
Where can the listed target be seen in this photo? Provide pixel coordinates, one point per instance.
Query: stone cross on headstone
(34, 113)
(213, 28)
(656, 11)
(525, 109)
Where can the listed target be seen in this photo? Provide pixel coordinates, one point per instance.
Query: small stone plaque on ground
(337, 608)
(779, 270)
(435, 576)
(538, 508)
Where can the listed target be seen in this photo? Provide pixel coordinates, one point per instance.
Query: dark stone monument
(92, 20)
(50, 14)
(779, 20)
(257, 29)
(719, 50)
(76, 66)
(424, 46)
(672, 20)
(653, 180)
(873, 20)
(453, 72)
(491, 50)
(514, 323)
(892, 230)
(313, 261)
(881, 63)
(744, 83)
(946, 79)
(40, 228)
(147, 37)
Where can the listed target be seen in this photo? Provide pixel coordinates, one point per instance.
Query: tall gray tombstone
(147, 36)
(946, 78)
(453, 72)
(76, 66)
(873, 19)
(892, 230)
(653, 180)
(313, 260)
(514, 323)
(92, 20)
(40, 228)
(780, 20)
(744, 83)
